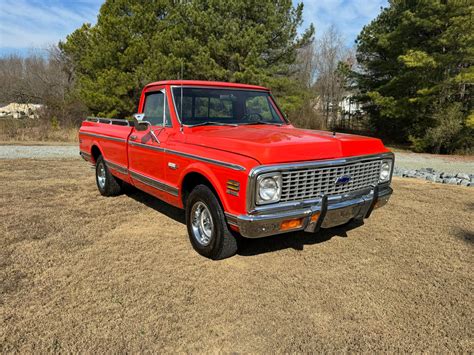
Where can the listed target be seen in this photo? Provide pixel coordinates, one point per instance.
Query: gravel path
(38, 152)
(446, 163)
(453, 164)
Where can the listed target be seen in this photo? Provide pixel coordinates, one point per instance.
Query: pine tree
(416, 73)
(138, 41)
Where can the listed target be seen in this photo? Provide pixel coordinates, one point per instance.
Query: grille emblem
(344, 179)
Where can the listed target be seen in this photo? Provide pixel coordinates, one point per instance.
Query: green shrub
(450, 134)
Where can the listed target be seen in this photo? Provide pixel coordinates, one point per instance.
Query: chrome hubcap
(101, 175)
(202, 224)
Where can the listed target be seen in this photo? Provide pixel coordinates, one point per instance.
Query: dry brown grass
(80, 272)
(28, 130)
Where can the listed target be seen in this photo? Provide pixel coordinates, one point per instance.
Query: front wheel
(207, 228)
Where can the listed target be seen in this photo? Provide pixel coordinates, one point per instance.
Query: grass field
(80, 272)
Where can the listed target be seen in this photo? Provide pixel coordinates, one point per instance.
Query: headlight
(385, 170)
(268, 188)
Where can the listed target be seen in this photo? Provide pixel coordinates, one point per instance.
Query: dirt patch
(81, 272)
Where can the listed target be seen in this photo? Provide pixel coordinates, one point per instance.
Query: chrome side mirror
(139, 116)
(139, 123)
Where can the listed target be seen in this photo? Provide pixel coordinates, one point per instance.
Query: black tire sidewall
(203, 194)
(100, 161)
(113, 185)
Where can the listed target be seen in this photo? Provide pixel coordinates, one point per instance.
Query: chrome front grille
(311, 183)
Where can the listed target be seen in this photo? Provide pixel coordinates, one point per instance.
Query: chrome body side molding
(159, 185)
(120, 168)
(207, 160)
(86, 156)
(103, 137)
(187, 155)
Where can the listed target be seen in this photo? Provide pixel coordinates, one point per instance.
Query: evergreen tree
(138, 41)
(416, 73)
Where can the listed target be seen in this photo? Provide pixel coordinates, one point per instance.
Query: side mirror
(139, 124)
(139, 116)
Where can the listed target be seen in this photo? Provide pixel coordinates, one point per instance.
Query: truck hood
(274, 144)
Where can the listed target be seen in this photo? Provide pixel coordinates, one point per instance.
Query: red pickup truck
(226, 154)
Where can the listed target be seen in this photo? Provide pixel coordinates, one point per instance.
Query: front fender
(218, 177)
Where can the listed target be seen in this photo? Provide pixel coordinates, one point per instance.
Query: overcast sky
(35, 24)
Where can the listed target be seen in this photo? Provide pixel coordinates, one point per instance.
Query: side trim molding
(155, 183)
(187, 155)
(207, 160)
(120, 168)
(146, 146)
(104, 137)
(86, 156)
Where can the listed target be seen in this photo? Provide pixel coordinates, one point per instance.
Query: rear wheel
(207, 228)
(107, 184)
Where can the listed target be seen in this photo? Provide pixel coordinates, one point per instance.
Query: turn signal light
(315, 217)
(291, 224)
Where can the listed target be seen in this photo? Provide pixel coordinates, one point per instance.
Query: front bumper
(325, 212)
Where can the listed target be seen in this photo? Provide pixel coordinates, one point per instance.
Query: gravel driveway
(39, 151)
(446, 163)
(454, 164)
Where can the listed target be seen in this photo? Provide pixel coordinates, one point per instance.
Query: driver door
(145, 154)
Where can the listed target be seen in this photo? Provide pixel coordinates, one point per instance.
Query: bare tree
(41, 79)
(318, 66)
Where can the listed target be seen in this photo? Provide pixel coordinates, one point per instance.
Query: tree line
(408, 79)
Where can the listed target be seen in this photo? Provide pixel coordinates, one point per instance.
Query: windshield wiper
(212, 123)
(262, 122)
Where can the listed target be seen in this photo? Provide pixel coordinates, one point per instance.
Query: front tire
(207, 227)
(107, 184)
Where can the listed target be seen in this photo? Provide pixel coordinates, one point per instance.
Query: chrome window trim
(191, 156)
(253, 208)
(156, 184)
(104, 137)
(166, 104)
(207, 87)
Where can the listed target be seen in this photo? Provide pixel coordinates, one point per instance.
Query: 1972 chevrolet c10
(226, 154)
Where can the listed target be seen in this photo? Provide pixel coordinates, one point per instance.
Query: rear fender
(98, 145)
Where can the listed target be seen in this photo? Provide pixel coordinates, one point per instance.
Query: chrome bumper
(332, 211)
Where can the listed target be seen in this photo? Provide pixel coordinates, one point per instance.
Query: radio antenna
(181, 105)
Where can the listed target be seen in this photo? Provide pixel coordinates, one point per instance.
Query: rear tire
(208, 231)
(107, 184)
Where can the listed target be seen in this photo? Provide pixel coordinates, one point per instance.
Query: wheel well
(95, 152)
(192, 180)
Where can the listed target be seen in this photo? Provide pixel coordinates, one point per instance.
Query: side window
(156, 107)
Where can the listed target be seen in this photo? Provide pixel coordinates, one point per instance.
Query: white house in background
(349, 106)
(16, 110)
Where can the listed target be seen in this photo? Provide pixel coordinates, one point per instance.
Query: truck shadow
(251, 247)
(172, 212)
(295, 240)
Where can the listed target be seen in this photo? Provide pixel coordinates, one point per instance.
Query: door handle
(132, 138)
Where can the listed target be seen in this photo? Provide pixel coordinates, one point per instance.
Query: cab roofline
(203, 83)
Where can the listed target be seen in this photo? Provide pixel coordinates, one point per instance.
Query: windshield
(202, 106)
